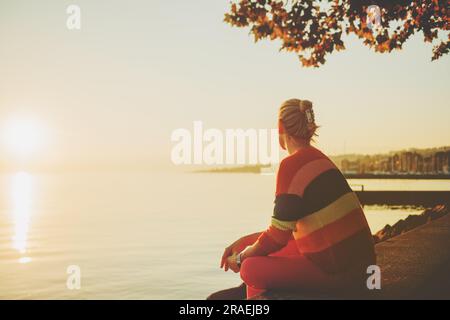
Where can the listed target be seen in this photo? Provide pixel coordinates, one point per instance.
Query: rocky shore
(410, 223)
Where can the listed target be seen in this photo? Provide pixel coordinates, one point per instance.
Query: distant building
(396, 164)
(407, 162)
(447, 164)
(351, 167)
(428, 166)
(441, 161)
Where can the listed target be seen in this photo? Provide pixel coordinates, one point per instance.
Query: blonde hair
(297, 118)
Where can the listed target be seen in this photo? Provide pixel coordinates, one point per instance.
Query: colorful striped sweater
(315, 205)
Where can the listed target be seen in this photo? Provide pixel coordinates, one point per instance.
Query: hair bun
(305, 105)
(306, 108)
(297, 118)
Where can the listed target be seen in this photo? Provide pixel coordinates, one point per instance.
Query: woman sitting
(319, 238)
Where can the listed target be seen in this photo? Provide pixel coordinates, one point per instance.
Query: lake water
(138, 235)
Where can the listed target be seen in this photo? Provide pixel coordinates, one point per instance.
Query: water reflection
(21, 195)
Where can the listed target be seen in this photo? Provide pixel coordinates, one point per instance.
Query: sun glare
(23, 137)
(21, 192)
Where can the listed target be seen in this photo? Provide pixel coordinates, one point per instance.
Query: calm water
(137, 235)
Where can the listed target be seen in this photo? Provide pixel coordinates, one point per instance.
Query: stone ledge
(414, 265)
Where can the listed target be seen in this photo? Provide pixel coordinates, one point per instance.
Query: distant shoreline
(438, 176)
(258, 169)
(243, 169)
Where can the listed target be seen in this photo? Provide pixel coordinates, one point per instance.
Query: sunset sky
(113, 92)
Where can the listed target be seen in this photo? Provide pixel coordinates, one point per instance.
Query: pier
(422, 198)
(419, 198)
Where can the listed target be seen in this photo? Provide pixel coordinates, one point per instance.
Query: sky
(114, 91)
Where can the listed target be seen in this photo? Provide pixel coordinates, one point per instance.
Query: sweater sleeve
(283, 219)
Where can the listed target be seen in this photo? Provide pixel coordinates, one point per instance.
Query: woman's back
(331, 229)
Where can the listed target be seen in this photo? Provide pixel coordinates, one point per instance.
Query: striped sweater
(315, 205)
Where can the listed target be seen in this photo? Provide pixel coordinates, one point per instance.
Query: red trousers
(284, 269)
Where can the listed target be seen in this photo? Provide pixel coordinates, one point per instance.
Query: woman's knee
(251, 272)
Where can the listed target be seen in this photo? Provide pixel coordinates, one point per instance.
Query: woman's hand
(227, 254)
(230, 251)
(237, 247)
(223, 262)
(232, 264)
